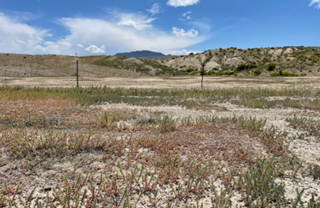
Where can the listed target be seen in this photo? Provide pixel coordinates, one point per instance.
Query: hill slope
(301, 61)
(298, 60)
(20, 65)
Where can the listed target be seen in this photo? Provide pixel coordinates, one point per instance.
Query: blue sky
(175, 27)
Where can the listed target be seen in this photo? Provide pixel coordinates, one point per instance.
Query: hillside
(286, 61)
(20, 65)
(301, 61)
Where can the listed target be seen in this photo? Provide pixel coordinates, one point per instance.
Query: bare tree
(203, 64)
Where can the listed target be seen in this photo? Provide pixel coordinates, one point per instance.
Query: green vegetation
(224, 73)
(281, 73)
(271, 66)
(242, 67)
(190, 70)
(257, 72)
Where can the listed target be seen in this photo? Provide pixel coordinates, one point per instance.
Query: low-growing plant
(257, 72)
(167, 123)
(258, 186)
(315, 171)
(281, 73)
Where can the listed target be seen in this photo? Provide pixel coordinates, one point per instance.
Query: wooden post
(5, 76)
(77, 75)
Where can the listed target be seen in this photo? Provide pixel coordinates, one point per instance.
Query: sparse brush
(315, 171)
(311, 126)
(166, 123)
(258, 186)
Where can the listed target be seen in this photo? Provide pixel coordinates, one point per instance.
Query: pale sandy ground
(166, 82)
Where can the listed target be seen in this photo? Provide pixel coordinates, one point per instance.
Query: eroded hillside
(301, 61)
(286, 61)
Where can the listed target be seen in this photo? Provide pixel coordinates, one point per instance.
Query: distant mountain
(146, 55)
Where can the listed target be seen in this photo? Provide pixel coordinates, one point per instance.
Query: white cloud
(95, 49)
(178, 3)
(316, 2)
(187, 15)
(17, 37)
(136, 21)
(155, 9)
(200, 25)
(182, 33)
(99, 36)
(183, 52)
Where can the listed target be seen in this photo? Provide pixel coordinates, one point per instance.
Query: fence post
(77, 75)
(5, 76)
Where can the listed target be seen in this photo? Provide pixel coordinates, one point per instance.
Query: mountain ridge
(144, 54)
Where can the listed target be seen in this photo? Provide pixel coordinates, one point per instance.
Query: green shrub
(189, 70)
(271, 67)
(242, 67)
(180, 73)
(211, 73)
(257, 72)
(281, 73)
(224, 73)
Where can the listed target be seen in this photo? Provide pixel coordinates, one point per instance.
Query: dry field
(160, 142)
(210, 82)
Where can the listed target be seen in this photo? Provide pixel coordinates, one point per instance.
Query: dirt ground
(166, 82)
(306, 149)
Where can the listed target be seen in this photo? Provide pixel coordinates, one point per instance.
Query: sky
(176, 27)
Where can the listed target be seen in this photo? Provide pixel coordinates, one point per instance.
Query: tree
(203, 64)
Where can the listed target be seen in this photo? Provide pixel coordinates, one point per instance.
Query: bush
(180, 73)
(271, 67)
(189, 70)
(257, 72)
(281, 73)
(211, 73)
(242, 67)
(224, 73)
(190, 54)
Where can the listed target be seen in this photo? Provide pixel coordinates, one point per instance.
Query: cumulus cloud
(19, 37)
(155, 9)
(182, 33)
(179, 3)
(316, 3)
(187, 15)
(99, 36)
(95, 49)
